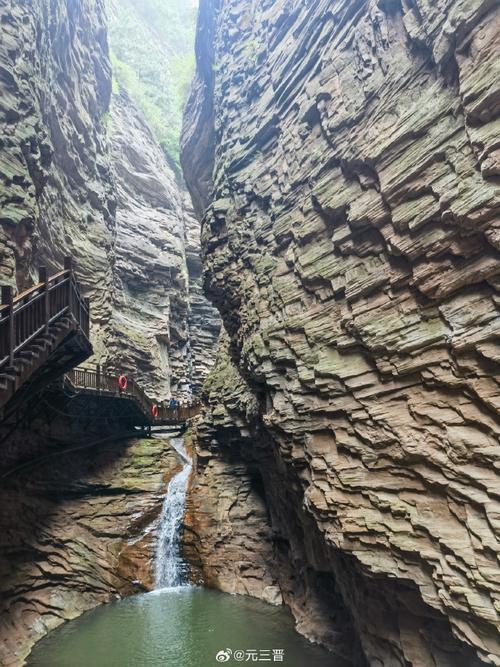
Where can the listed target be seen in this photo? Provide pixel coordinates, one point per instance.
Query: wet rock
(228, 542)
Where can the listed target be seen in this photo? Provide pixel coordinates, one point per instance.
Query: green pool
(183, 627)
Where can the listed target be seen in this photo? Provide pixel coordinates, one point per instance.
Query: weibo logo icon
(224, 656)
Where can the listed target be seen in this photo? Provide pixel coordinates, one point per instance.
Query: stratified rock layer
(163, 328)
(227, 541)
(203, 318)
(151, 282)
(55, 188)
(351, 245)
(74, 532)
(78, 529)
(68, 158)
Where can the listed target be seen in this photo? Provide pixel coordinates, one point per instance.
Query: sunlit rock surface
(351, 245)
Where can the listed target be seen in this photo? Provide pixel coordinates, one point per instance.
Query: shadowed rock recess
(347, 159)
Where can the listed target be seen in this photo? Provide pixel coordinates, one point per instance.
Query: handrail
(27, 292)
(28, 315)
(107, 383)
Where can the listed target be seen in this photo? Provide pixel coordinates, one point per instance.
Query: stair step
(29, 354)
(39, 346)
(60, 327)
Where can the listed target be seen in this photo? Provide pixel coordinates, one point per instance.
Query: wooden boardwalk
(44, 332)
(93, 382)
(44, 337)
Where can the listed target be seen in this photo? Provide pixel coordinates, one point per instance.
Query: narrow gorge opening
(249, 329)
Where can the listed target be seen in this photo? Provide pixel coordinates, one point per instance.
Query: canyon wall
(346, 156)
(164, 330)
(78, 529)
(82, 174)
(56, 195)
(150, 277)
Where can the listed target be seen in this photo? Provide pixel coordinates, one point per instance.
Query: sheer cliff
(346, 158)
(82, 174)
(56, 193)
(164, 329)
(150, 277)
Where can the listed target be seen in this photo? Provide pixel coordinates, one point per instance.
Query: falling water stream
(178, 625)
(169, 566)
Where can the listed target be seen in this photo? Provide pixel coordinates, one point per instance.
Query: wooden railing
(31, 313)
(95, 380)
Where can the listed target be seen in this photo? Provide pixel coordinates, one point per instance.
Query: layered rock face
(151, 282)
(163, 328)
(351, 246)
(228, 542)
(203, 318)
(68, 159)
(56, 197)
(83, 178)
(78, 529)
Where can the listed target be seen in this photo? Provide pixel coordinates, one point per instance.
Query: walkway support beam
(43, 279)
(8, 302)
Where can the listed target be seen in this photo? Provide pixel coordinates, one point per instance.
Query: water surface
(183, 627)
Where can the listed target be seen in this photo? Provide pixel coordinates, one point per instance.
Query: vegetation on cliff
(152, 57)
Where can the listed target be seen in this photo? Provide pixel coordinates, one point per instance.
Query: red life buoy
(122, 382)
(154, 411)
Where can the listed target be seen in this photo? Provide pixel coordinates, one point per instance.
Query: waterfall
(169, 567)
